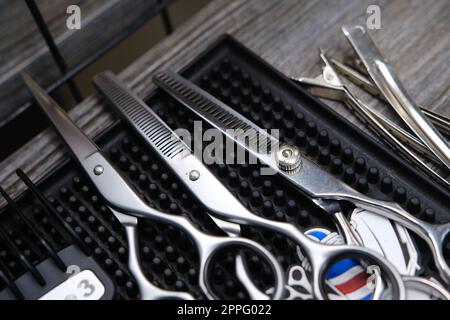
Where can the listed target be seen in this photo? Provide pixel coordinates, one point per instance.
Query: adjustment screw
(194, 175)
(98, 170)
(289, 158)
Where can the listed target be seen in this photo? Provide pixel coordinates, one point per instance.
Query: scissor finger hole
(227, 280)
(356, 276)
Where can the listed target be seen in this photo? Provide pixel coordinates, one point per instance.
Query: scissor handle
(431, 286)
(211, 247)
(433, 234)
(322, 256)
(119, 195)
(148, 290)
(325, 257)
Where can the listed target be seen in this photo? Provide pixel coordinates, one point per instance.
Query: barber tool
(24, 261)
(388, 238)
(68, 273)
(127, 207)
(347, 284)
(290, 164)
(287, 161)
(9, 282)
(191, 171)
(389, 85)
(84, 279)
(348, 279)
(52, 212)
(203, 185)
(439, 121)
(329, 85)
(321, 257)
(298, 285)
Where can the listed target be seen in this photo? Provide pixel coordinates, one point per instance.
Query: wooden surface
(288, 33)
(23, 49)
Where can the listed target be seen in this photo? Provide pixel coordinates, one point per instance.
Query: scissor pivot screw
(194, 175)
(98, 170)
(289, 158)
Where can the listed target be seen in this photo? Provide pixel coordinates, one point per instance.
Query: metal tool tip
(26, 78)
(31, 84)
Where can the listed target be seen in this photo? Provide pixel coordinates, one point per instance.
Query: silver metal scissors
(329, 85)
(190, 170)
(320, 256)
(127, 206)
(391, 88)
(205, 187)
(301, 172)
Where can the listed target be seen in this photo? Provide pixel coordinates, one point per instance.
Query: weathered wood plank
(22, 48)
(287, 34)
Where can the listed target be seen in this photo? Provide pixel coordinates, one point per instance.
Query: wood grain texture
(22, 47)
(287, 34)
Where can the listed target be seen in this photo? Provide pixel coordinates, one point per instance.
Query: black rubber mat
(241, 79)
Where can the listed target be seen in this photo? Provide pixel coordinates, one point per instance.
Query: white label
(82, 286)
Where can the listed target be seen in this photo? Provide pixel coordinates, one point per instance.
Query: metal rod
(61, 63)
(53, 254)
(86, 62)
(9, 281)
(50, 210)
(166, 18)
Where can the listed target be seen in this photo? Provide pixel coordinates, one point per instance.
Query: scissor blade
(174, 152)
(78, 142)
(310, 178)
(143, 119)
(248, 135)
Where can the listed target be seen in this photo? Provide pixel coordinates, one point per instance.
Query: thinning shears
(321, 256)
(301, 172)
(206, 187)
(190, 170)
(127, 207)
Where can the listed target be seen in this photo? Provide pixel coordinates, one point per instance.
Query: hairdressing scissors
(127, 206)
(206, 187)
(191, 171)
(297, 169)
(391, 88)
(320, 256)
(329, 85)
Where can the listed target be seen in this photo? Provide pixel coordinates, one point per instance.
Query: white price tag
(82, 286)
